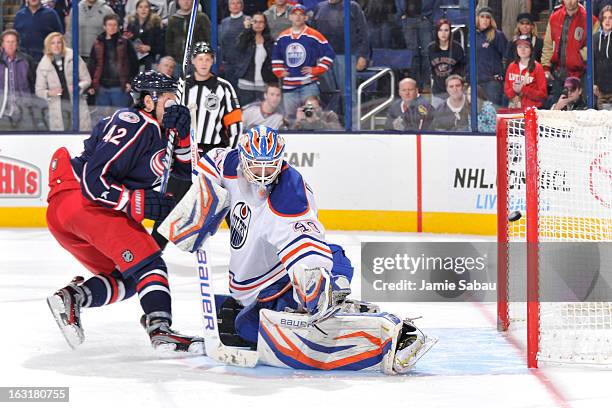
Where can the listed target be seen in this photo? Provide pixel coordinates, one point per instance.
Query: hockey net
(555, 182)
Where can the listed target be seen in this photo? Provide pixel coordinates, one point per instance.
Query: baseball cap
(523, 39)
(298, 8)
(486, 11)
(524, 16)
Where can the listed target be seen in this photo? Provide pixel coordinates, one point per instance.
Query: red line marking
(419, 176)
(542, 378)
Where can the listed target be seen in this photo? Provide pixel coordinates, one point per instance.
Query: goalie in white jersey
(280, 261)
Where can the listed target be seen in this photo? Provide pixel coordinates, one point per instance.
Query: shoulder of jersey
(230, 164)
(132, 119)
(311, 32)
(285, 33)
(289, 197)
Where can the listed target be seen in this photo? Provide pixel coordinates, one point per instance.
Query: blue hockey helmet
(261, 154)
(152, 83)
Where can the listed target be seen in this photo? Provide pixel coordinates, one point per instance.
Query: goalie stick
(180, 96)
(214, 348)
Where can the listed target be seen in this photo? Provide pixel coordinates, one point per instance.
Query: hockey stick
(214, 348)
(180, 96)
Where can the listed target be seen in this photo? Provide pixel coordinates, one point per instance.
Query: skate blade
(74, 337)
(406, 363)
(170, 350)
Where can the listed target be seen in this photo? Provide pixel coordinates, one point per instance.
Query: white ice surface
(472, 366)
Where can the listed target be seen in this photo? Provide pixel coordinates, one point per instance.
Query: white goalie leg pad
(343, 342)
(197, 216)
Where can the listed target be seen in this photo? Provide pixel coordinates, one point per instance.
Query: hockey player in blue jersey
(97, 201)
(281, 261)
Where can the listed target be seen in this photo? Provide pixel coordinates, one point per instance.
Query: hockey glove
(312, 289)
(149, 204)
(177, 117)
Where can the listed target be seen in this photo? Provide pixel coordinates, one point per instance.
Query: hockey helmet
(202, 47)
(261, 154)
(152, 83)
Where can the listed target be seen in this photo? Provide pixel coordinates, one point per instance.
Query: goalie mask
(261, 154)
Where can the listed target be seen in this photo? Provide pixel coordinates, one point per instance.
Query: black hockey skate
(65, 305)
(163, 338)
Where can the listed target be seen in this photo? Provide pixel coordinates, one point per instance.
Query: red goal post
(554, 178)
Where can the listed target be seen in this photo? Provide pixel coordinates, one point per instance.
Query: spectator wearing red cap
(571, 96)
(525, 83)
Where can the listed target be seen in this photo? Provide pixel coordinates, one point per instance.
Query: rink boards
(378, 182)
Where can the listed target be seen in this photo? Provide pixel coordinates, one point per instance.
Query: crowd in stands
(286, 58)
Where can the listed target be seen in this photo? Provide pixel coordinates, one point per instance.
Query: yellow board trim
(343, 220)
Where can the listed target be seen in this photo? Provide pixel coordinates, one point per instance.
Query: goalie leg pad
(197, 216)
(277, 296)
(343, 342)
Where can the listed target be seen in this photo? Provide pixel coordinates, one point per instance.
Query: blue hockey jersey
(125, 152)
(292, 52)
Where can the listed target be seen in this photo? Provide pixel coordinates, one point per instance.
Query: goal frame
(532, 209)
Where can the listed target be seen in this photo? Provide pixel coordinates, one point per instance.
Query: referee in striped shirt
(219, 118)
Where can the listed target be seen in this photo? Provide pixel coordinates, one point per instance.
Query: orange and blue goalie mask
(261, 154)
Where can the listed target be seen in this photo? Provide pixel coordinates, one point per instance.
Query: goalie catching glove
(319, 292)
(197, 216)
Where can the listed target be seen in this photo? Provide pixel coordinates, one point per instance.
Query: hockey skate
(164, 339)
(409, 345)
(65, 305)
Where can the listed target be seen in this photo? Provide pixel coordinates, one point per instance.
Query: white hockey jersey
(270, 233)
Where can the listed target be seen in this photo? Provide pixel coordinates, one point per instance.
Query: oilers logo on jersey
(240, 219)
(296, 54)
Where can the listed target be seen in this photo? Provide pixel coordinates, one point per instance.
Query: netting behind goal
(555, 170)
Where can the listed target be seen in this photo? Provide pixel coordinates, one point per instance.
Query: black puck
(514, 216)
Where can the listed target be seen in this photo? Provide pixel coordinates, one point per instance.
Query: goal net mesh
(574, 167)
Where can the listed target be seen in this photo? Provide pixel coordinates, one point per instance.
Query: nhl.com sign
(18, 179)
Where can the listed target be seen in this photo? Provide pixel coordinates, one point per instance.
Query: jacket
(34, 28)
(575, 43)
(245, 67)
(126, 58)
(602, 61)
(24, 80)
(534, 93)
(150, 33)
(490, 55)
(418, 116)
(47, 78)
(176, 33)
(91, 23)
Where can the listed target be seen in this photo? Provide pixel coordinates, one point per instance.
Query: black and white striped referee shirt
(219, 115)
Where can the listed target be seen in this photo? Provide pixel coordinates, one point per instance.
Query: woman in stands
(491, 47)
(446, 57)
(54, 84)
(526, 26)
(255, 68)
(145, 32)
(525, 83)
